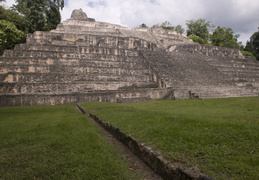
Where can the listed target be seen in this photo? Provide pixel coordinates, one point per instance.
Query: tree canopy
(27, 16)
(12, 16)
(143, 25)
(13, 28)
(199, 27)
(179, 29)
(224, 37)
(9, 35)
(253, 45)
(41, 15)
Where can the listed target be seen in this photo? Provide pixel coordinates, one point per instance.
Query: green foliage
(253, 45)
(10, 15)
(247, 53)
(41, 15)
(167, 25)
(143, 25)
(224, 37)
(56, 142)
(53, 17)
(220, 136)
(199, 27)
(197, 39)
(9, 35)
(179, 29)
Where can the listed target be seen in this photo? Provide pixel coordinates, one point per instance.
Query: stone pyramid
(85, 60)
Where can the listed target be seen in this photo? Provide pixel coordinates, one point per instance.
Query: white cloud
(240, 15)
(8, 3)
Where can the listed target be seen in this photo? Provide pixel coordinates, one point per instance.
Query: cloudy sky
(240, 15)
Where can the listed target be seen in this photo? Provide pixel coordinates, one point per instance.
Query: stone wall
(119, 96)
(207, 50)
(153, 159)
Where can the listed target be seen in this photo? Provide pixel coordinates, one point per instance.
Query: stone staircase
(84, 60)
(68, 65)
(193, 75)
(38, 68)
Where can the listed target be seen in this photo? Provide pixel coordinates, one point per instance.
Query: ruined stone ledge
(208, 50)
(55, 87)
(83, 66)
(77, 54)
(68, 48)
(152, 158)
(31, 99)
(83, 60)
(97, 77)
(78, 72)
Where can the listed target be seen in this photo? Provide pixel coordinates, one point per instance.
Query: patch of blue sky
(95, 4)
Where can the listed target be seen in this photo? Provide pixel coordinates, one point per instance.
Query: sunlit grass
(220, 136)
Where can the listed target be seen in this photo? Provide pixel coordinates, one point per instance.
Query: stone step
(103, 60)
(65, 77)
(90, 37)
(55, 55)
(242, 74)
(29, 99)
(133, 99)
(234, 64)
(74, 49)
(225, 96)
(53, 87)
(121, 69)
(223, 92)
(239, 69)
(254, 84)
(138, 34)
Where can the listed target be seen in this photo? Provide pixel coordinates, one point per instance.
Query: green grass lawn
(220, 136)
(55, 142)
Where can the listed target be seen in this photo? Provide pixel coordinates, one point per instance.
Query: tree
(9, 35)
(53, 17)
(224, 37)
(179, 29)
(253, 45)
(12, 16)
(42, 15)
(13, 29)
(143, 25)
(199, 27)
(167, 25)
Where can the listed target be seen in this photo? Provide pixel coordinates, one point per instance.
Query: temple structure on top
(86, 60)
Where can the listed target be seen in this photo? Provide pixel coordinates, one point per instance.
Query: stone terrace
(85, 60)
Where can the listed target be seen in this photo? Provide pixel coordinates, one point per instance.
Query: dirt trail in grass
(136, 164)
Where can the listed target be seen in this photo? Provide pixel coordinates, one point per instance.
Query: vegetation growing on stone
(197, 39)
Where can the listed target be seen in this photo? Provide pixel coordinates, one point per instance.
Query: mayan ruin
(86, 60)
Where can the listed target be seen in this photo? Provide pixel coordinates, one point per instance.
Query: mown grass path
(55, 142)
(220, 136)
